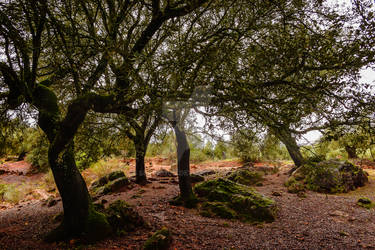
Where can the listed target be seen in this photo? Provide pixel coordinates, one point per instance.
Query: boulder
(227, 199)
(328, 177)
(246, 177)
(122, 217)
(196, 178)
(160, 240)
(109, 183)
(206, 172)
(365, 202)
(164, 173)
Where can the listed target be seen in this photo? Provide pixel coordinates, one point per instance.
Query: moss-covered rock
(365, 202)
(328, 177)
(212, 209)
(196, 178)
(228, 199)
(115, 175)
(97, 226)
(188, 202)
(294, 186)
(160, 240)
(122, 217)
(246, 177)
(109, 183)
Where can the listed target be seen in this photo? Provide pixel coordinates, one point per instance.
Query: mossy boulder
(227, 199)
(109, 183)
(122, 217)
(294, 186)
(365, 202)
(328, 177)
(160, 240)
(196, 178)
(246, 177)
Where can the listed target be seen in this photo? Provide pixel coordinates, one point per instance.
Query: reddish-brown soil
(318, 221)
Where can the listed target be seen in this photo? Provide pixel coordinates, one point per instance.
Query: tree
(67, 48)
(140, 130)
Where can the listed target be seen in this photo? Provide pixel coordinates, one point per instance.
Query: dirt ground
(318, 221)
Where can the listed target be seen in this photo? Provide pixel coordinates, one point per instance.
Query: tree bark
(352, 152)
(291, 145)
(183, 158)
(80, 218)
(140, 171)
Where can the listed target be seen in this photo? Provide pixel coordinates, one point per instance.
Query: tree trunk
(80, 218)
(183, 168)
(140, 171)
(291, 145)
(352, 152)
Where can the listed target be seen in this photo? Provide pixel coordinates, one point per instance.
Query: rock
(164, 173)
(111, 182)
(365, 203)
(329, 176)
(160, 240)
(228, 199)
(196, 178)
(107, 178)
(294, 186)
(338, 213)
(115, 175)
(122, 217)
(206, 172)
(246, 177)
(275, 193)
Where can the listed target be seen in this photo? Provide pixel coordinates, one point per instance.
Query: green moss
(122, 217)
(294, 186)
(97, 226)
(115, 175)
(160, 240)
(327, 177)
(246, 177)
(365, 203)
(190, 202)
(211, 209)
(228, 199)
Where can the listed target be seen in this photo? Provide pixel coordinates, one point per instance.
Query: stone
(206, 172)
(246, 177)
(160, 240)
(275, 193)
(365, 203)
(164, 173)
(196, 178)
(328, 177)
(227, 199)
(122, 217)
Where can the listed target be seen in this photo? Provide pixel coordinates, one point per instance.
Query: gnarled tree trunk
(80, 218)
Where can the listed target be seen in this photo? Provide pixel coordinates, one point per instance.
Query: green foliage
(37, 145)
(10, 193)
(272, 149)
(246, 145)
(220, 150)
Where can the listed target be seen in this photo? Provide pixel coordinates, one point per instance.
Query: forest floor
(318, 221)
